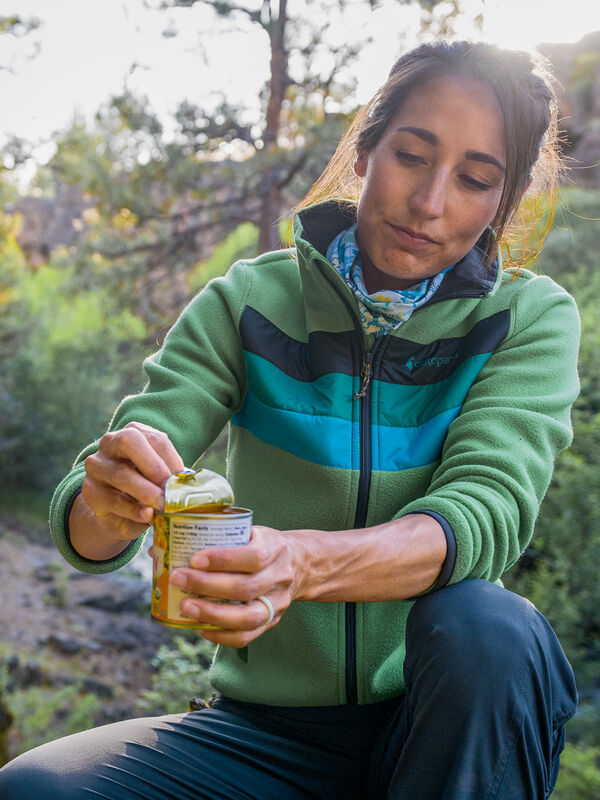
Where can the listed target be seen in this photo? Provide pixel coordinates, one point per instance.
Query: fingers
(250, 558)
(241, 575)
(230, 616)
(106, 501)
(161, 444)
(266, 546)
(150, 452)
(238, 624)
(125, 478)
(127, 474)
(119, 477)
(222, 585)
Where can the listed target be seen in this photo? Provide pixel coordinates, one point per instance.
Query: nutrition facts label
(187, 535)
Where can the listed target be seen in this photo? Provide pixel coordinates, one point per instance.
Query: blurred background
(144, 147)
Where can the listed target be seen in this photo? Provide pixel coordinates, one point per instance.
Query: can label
(176, 538)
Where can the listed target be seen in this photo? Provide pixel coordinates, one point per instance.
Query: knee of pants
(473, 626)
(20, 780)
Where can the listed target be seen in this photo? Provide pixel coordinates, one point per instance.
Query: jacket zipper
(364, 483)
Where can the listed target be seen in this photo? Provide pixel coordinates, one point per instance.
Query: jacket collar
(316, 226)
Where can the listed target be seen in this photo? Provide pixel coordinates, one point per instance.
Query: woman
(396, 402)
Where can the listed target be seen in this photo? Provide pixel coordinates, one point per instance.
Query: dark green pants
(488, 691)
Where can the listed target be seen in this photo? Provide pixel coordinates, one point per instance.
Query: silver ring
(264, 599)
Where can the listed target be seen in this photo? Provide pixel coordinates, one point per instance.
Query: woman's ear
(360, 164)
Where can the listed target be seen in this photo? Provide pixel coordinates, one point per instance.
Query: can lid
(197, 490)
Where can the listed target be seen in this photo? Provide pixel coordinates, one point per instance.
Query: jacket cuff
(450, 560)
(60, 508)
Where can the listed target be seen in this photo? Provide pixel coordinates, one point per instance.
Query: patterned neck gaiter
(386, 309)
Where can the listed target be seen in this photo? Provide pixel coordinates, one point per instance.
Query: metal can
(177, 536)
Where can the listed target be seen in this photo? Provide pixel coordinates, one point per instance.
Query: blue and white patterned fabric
(386, 309)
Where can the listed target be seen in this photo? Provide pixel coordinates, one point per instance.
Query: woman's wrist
(90, 538)
(393, 561)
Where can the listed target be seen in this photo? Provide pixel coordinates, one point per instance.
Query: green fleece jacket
(459, 413)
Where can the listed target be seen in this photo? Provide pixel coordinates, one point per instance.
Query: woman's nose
(428, 199)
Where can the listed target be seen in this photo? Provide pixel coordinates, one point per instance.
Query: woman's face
(432, 184)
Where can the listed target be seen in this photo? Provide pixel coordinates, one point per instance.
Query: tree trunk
(270, 189)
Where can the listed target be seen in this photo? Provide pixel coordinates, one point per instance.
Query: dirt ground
(94, 627)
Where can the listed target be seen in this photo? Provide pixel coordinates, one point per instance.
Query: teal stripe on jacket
(333, 442)
(396, 448)
(402, 405)
(324, 440)
(331, 395)
(313, 420)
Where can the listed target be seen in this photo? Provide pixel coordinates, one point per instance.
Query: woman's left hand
(268, 565)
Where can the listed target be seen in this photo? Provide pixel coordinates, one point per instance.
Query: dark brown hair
(525, 91)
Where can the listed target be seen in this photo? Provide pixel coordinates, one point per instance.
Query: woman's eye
(409, 158)
(475, 184)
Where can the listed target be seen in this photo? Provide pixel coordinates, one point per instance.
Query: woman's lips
(411, 238)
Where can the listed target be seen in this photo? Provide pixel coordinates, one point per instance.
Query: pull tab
(365, 377)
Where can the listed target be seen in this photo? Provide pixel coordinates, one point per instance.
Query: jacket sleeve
(195, 384)
(498, 457)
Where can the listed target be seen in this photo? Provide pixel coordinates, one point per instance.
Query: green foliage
(573, 242)
(241, 243)
(59, 595)
(579, 776)
(181, 673)
(43, 713)
(559, 571)
(30, 506)
(73, 355)
(583, 729)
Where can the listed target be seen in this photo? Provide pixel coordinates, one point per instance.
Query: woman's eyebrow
(431, 138)
(422, 133)
(486, 158)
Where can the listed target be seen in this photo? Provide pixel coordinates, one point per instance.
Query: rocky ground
(59, 626)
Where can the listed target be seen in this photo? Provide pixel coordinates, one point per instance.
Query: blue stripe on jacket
(314, 420)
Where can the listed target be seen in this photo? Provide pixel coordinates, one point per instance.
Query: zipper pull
(365, 377)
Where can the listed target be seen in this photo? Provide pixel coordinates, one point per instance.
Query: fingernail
(198, 561)
(178, 579)
(188, 609)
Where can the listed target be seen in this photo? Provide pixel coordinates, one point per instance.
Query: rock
(88, 685)
(120, 639)
(12, 663)
(70, 645)
(114, 648)
(134, 597)
(122, 678)
(44, 574)
(60, 679)
(30, 674)
(114, 712)
(140, 635)
(100, 689)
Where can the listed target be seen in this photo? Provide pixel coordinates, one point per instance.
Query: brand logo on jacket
(437, 361)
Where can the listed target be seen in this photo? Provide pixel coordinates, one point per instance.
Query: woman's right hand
(124, 484)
